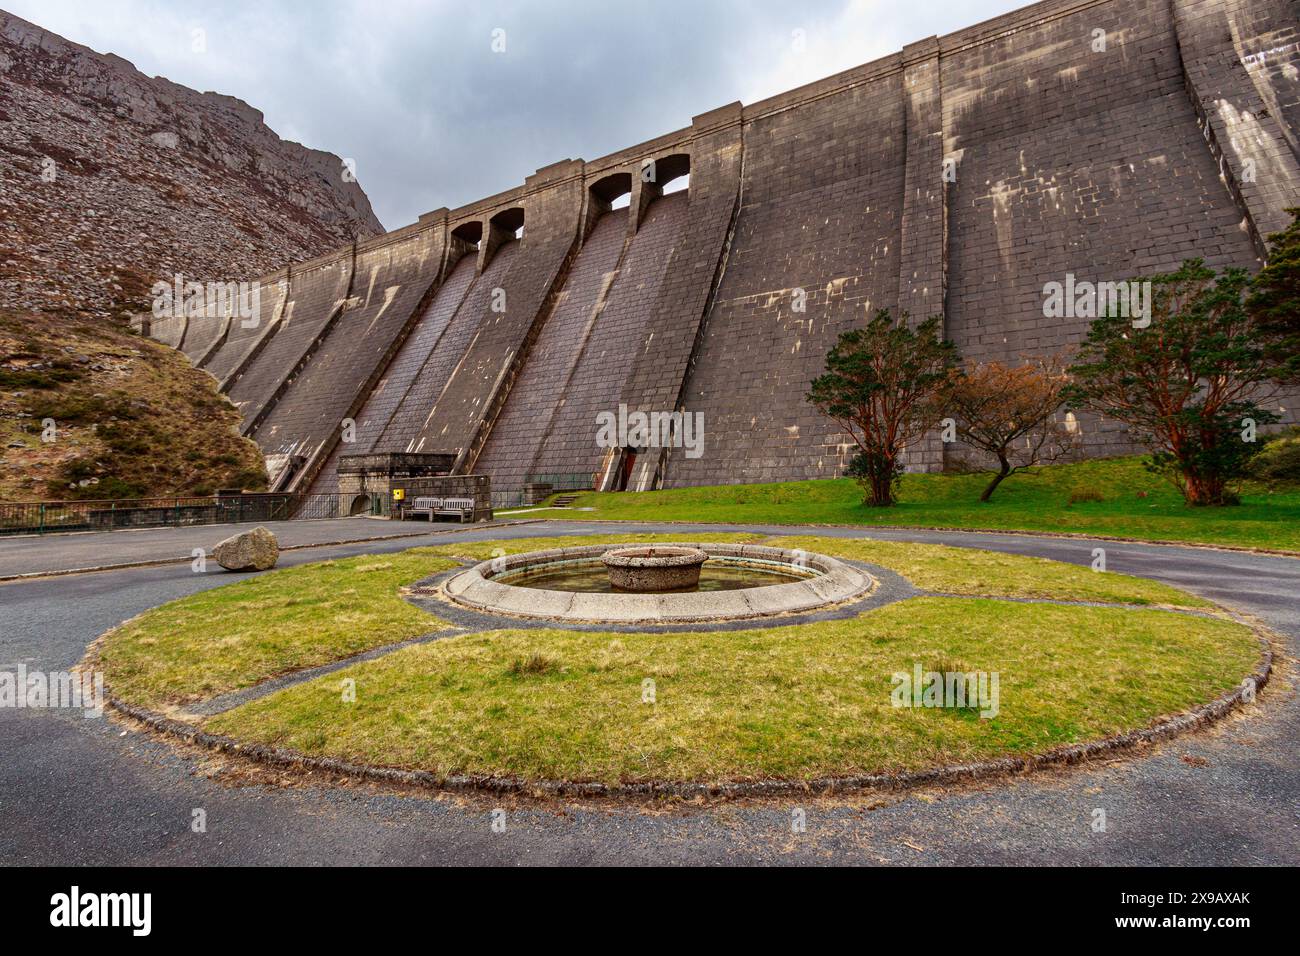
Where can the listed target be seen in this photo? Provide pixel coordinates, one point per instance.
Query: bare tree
(1009, 412)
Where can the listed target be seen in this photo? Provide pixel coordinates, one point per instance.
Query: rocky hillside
(111, 181)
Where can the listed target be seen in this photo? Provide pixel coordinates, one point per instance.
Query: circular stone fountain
(654, 568)
(738, 581)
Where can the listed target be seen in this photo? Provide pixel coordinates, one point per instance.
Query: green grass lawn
(1135, 504)
(792, 702)
(931, 567)
(936, 567)
(241, 634)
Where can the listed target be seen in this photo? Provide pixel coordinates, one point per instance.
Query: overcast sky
(415, 93)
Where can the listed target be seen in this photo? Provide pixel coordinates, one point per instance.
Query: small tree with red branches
(1009, 413)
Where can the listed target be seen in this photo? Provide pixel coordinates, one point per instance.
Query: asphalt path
(91, 791)
(25, 555)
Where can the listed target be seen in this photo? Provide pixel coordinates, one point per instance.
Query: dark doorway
(625, 469)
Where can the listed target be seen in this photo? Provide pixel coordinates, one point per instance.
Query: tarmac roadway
(93, 792)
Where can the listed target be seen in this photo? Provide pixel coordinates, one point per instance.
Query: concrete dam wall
(1099, 138)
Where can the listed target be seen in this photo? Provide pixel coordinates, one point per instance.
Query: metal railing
(565, 481)
(520, 497)
(47, 517)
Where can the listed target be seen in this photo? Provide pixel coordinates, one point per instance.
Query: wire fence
(46, 517)
(502, 500)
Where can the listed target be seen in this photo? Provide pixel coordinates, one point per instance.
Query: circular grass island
(972, 663)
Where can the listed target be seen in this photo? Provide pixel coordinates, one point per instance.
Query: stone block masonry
(609, 353)
(540, 389)
(1102, 138)
(814, 253)
(475, 487)
(657, 381)
(461, 418)
(318, 292)
(363, 479)
(390, 395)
(391, 277)
(407, 430)
(247, 335)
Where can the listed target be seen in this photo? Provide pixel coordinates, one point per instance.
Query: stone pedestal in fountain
(660, 568)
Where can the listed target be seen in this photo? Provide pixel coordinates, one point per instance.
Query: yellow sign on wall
(399, 494)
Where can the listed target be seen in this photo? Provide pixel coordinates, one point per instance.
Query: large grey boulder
(255, 550)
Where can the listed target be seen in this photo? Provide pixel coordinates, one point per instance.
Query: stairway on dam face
(541, 386)
(403, 432)
(581, 377)
(406, 367)
(314, 292)
(245, 334)
(394, 413)
(202, 334)
(390, 278)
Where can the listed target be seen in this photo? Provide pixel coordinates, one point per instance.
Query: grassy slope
(239, 635)
(791, 702)
(131, 413)
(1136, 505)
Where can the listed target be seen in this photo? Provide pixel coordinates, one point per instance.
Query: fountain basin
(812, 581)
(654, 568)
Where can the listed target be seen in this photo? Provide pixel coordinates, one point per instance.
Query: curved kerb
(1162, 729)
(832, 582)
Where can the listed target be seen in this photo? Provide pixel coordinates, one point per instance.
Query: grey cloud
(414, 93)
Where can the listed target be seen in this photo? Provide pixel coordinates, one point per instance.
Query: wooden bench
(461, 508)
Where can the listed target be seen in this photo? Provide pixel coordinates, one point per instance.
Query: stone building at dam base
(958, 177)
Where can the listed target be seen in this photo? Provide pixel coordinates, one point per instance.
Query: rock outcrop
(111, 181)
